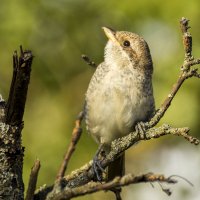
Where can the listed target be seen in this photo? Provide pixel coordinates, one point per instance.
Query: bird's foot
(140, 128)
(97, 167)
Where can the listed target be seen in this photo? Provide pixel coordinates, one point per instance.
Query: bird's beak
(110, 34)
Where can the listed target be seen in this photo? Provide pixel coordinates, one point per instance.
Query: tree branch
(19, 87)
(33, 180)
(93, 187)
(186, 72)
(118, 146)
(11, 125)
(76, 134)
(85, 174)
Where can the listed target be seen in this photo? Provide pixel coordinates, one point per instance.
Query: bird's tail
(116, 168)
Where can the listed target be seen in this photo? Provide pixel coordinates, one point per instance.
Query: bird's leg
(98, 169)
(140, 128)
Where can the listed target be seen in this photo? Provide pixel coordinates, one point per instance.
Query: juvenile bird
(120, 93)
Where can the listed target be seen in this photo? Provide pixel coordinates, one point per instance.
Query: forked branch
(74, 184)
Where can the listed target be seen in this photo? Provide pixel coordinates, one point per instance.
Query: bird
(119, 95)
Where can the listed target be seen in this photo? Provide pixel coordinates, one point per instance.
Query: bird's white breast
(115, 102)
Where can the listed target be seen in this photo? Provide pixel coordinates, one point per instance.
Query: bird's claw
(97, 167)
(140, 128)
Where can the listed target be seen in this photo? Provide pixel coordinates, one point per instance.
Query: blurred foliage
(58, 32)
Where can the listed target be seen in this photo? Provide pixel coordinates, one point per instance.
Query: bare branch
(92, 187)
(187, 38)
(190, 63)
(81, 177)
(33, 180)
(75, 138)
(186, 72)
(11, 125)
(79, 171)
(19, 87)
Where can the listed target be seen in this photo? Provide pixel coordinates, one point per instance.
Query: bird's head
(125, 48)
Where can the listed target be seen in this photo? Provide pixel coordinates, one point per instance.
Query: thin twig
(79, 171)
(165, 190)
(88, 61)
(186, 72)
(33, 180)
(187, 38)
(183, 178)
(75, 138)
(92, 187)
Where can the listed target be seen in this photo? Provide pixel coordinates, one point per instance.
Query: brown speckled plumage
(120, 92)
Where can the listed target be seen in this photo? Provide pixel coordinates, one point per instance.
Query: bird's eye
(126, 43)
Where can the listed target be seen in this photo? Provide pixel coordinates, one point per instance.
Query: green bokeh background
(58, 32)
